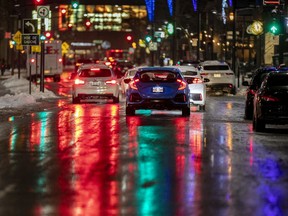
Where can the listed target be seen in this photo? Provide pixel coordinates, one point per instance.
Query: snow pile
(20, 93)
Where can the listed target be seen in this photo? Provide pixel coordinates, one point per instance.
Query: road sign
(30, 39)
(17, 37)
(30, 26)
(43, 11)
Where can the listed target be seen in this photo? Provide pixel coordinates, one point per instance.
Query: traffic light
(63, 15)
(274, 27)
(88, 24)
(38, 2)
(48, 35)
(70, 26)
(75, 4)
(148, 38)
(129, 38)
(170, 28)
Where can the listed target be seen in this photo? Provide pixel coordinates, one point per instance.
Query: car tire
(202, 108)
(116, 99)
(75, 100)
(186, 111)
(130, 111)
(248, 113)
(258, 125)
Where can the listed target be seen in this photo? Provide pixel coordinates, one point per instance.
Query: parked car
(221, 77)
(270, 101)
(196, 85)
(121, 66)
(253, 86)
(95, 82)
(161, 88)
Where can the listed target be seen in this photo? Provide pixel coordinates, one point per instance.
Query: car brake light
(182, 84)
(197, 80)
(132, 84)
(269, 98)
(113, 82)
(79, 82)
(95, 69)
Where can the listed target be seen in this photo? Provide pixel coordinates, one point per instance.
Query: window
(216, 67)
(95, 73)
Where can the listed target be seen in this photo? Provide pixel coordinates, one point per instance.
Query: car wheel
(248, 113)
(186, 111)
(201, 107)
(116, 99)
(130, 111)
(75, 100)
(258, 125)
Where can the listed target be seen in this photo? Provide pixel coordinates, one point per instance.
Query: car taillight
(269, 98)
(197, 80)
(182, 84)
(113, 82)
(60, 60)
(203, 74)
(79, 82)
(132, 84)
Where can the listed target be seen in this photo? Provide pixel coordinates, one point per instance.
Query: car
(82, 61)
(270, 101)
(161, 88)
(221, 77)
(128, 74)
(95, 82)
(120, 66)
(196, 85)
(256, 80)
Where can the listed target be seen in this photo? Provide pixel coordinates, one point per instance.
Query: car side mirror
(206, 80)
(127, 80)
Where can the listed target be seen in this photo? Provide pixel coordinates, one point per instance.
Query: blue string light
(150, 7)
(194, 2)
(170, 6)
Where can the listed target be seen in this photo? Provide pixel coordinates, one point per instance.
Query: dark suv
(255, 83)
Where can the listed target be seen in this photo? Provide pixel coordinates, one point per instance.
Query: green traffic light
(274, 28)
(75, 4)
(148, 38)
(170, 28)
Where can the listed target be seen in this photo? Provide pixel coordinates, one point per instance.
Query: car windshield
(159, 76)
(95, 72)
(216, 67)
(279, 80)
(189, 73)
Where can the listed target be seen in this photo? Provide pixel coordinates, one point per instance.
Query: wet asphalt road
(90, 159)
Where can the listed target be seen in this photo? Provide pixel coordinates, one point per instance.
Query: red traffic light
(88, 24)
(129, 38)
(48, 34)
(38, 1)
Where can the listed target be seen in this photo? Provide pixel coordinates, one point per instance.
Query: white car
(130, 73)
(221, 77)
(196, 85)
(95, 82)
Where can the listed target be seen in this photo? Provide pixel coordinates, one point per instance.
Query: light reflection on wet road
(89, 159)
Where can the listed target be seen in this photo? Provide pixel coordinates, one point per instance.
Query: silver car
(95, 82)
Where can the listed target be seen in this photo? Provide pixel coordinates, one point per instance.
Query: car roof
(185, 68)
(157, 68)
(212, 62)
(87, 66)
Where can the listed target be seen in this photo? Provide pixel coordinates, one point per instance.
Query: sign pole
(42, 57)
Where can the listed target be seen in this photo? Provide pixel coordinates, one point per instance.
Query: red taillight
(269, 98)
(197, 80)
(132, 84)
(113, 82)
(182, 84)
(79, 82)
(60, 60)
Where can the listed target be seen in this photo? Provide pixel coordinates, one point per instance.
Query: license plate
(95, 83)
(158, 89)
(217, 75)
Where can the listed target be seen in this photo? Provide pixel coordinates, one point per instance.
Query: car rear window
(158, 76)
(95, 73)
(216, 67)
(189, 73)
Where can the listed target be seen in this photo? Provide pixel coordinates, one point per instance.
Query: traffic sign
(43, 11)
(30, 26)
(17, 37)
(30, 39)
